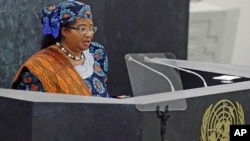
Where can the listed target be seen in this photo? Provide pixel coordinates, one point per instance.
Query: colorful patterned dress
(93, 72)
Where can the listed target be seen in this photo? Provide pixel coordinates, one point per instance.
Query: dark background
(124, 26)
(139, 26)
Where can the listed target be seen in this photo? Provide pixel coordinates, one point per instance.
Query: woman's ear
(63, 31)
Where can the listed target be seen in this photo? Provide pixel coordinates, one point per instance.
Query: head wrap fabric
(63, 13)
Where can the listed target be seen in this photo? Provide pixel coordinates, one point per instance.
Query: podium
(203, 113)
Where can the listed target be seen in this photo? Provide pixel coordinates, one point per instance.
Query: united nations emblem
(218, 118)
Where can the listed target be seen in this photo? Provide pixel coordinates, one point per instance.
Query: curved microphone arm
(159, 62)
(171, 85)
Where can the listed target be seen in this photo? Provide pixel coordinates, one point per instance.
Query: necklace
(77, 58)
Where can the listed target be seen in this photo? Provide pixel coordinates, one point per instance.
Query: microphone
(146, 59)
(129, 58)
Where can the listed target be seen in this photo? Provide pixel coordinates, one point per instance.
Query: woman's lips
(86, 43)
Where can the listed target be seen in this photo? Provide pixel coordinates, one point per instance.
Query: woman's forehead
(84, 21)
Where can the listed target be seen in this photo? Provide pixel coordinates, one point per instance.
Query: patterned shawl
(55, 72)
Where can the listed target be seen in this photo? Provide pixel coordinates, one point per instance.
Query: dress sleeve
(29, 82)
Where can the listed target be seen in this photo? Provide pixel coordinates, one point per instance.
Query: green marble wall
(20, 34)
(124, 26)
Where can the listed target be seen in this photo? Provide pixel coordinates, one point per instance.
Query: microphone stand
(163, 115)
(185, 70)
(129, 58)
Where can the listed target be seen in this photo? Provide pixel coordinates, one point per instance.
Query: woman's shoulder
(45, 52)
(96, 48)
(96, 45)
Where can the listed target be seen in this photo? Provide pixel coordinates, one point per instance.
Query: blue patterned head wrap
(63, 13)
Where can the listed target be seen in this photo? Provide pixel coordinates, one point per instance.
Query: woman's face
(78, 36)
